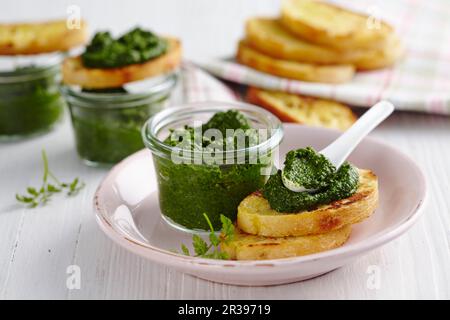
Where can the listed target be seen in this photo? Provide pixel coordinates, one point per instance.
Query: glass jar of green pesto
(30, 100)
(214, 174)
(107, 122)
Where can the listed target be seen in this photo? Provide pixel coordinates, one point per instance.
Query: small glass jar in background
(107, 123)
(30, 100)
(190, 189)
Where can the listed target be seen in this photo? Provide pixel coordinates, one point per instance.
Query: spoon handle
(338, 151)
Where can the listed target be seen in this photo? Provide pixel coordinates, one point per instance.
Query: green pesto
(30, 106)
(136, 46)
(340, 184)
(186, 191)
(107, 135)
(221, 121)
(230, 119)
(307, 168)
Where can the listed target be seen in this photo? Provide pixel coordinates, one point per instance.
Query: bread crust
(301, 109)
(74, 73)
(250, 247)
(333, 26)
(255, 216)
(293, 70)
(43, 37)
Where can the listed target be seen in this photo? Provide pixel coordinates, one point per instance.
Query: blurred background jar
(30, 101)
(107, 122)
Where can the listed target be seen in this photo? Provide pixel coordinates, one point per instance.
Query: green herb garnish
(211, 251)
(50, 186)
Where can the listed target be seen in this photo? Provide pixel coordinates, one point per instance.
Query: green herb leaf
(52, 188)
(42, 195)
(200, 245)
(215, 241)
(227, 229)
(73, 185)
(185, 250)
(32, 191)
(24, 199)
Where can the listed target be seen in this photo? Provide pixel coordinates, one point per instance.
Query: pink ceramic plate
(127, 210)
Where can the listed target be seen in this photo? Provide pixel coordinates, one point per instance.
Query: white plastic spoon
(338, 151)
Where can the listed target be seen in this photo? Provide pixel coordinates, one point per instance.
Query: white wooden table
(37, 246)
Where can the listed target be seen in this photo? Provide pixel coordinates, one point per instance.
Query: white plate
(127, 210)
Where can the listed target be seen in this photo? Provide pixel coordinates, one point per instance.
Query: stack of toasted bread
(319, 42)
(263, 233)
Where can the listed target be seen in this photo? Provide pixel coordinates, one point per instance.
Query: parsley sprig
(211, 251)
(50, 186)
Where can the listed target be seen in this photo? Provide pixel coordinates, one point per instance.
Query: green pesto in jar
(30, 104)
(136, 46)
(107, 135)
(313, 171)
(187, 190)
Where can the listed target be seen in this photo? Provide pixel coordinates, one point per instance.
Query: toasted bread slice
(294, 70)
(324, 23)
(268, 36)
(44, 37)
(250, 247)
(378, 58)
(75, 73)
(301, 109)
(255, 216)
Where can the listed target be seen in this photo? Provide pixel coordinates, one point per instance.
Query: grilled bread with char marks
(255, 216)
(251, 247)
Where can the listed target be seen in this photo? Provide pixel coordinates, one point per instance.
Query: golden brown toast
(379, 58)
(250, 247)
(75, 73)
(293, 70)
(301, 109)
(255, 216)
(324, 23)
(44, 37)
(268, 36)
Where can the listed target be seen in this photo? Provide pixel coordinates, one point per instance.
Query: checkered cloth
(420, 82)
(196, 85)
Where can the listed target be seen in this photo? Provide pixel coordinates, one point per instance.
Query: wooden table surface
(37, 246)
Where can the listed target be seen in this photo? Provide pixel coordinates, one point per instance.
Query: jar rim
(37, 72)
(154, 124)
(120, 100)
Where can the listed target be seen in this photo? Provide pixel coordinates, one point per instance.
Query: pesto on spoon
(307, 172)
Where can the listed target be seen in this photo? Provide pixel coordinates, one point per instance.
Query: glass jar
(189, 184)
(107, 123)
(30, 100)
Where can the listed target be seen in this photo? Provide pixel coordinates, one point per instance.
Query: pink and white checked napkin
(420, 82)
(197, 85)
